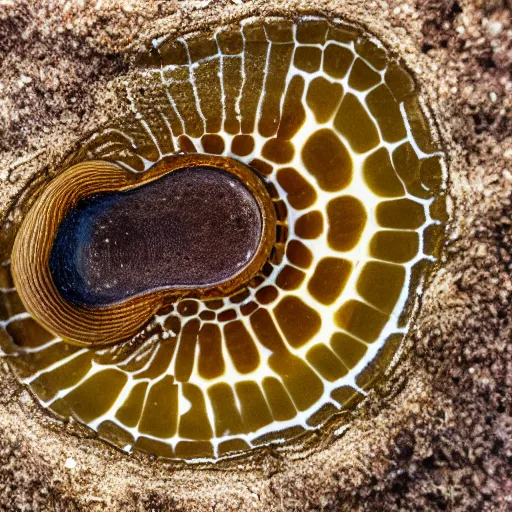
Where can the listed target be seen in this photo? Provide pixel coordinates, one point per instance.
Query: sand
(438, 438)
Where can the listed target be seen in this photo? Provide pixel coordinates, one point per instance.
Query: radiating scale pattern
(335, 128)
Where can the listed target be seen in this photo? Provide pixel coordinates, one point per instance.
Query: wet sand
(438, 436)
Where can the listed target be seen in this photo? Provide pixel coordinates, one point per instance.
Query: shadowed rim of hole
(388, 359)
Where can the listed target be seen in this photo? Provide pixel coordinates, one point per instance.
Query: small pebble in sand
(70, 463)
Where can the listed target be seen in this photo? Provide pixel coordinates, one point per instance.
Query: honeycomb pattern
(335, 128)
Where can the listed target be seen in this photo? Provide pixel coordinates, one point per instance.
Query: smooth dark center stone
(193, 227)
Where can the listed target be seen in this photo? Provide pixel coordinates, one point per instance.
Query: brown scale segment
(329, 279)
(265, 169)
(373, 54)
(186, 145)
(290, 278)
(337, 61)
(310, 225)
(347, 396)
(130, 412)
(278, 399)
(431, 173)
(194, 424)
(380, 175)
(172, 53)
(298, 322)
(299, 193)
(386, 110)
(231, 44)
(407, 166)
(346, 218)
(419, 125)
(433, 240)
(278, 64)
(253, 405)
(186, 350)
(207, 79)
(214, 304)
(307, 58)
(242, 145)
(147, 445)
(279, 31)
(227, 415)
(210, 360)
(207, 315)
(326, 362)
(399, 81)
(199, 50)
(94, 397)
(347, 348)
(400, 214)
(279, 151)
(298, 254)
(381, 284)
(213, 143)
(241, 347)
(227, 315)
(342, 33)
(355, 125)
(160, 415)
(48, 384)
(323, 98)
(294, 113)
(188, 307)
(194, 450)
(267, 295)
(394, 246)
(328, 160)
(311, 31)
(362, 77)
(232, 445)
(360, 320)
(256, 47)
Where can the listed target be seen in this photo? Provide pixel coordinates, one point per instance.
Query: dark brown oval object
(116, 245)
(97, 314)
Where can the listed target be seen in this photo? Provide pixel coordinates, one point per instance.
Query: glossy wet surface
(164, 234)
(336, 129)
